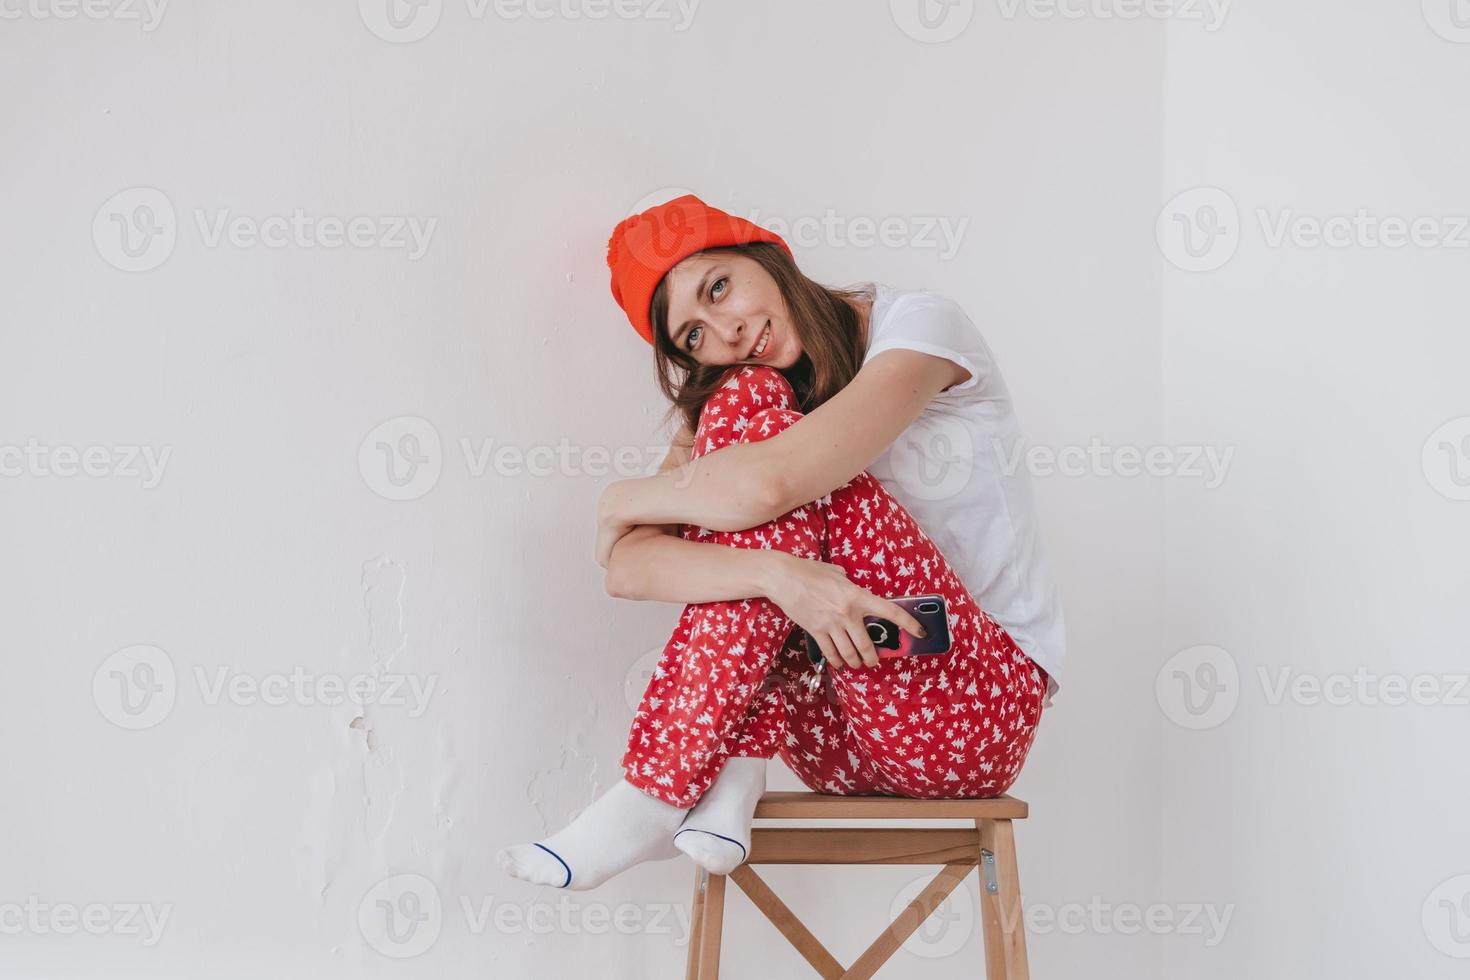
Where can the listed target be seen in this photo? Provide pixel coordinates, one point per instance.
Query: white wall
(1328, 550)
(267, 544)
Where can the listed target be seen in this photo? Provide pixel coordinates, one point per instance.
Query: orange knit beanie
(644, 247)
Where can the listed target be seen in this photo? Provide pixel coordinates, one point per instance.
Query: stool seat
(786, 805)
(989, 845)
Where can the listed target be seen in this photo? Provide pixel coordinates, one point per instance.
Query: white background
(1328, 837)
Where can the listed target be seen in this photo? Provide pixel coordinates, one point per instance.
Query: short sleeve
(932, 324)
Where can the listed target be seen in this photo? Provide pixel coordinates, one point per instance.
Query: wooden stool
(991, 845)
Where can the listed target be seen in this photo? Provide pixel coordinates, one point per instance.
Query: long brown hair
(832, 345)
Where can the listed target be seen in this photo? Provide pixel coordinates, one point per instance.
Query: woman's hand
(611, 524)
(820, 599)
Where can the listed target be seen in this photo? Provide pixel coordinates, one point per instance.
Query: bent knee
(761, 374)
(745, 393)
(751, 388)
(766, 423)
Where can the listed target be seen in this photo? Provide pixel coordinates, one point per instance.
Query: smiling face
(725, 308)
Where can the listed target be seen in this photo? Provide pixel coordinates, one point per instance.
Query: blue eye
(689, 339)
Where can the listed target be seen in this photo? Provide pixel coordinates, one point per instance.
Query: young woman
(801, 495)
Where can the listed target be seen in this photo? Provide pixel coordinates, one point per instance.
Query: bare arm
(746, 484)
(651, 562)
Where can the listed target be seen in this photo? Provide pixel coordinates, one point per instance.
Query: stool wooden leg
(1001, 912)
(714, 921)
(696, 925)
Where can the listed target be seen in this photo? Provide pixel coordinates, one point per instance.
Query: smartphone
(931, 611)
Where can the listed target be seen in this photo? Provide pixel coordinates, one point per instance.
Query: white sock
(716, 833)
(621, 828)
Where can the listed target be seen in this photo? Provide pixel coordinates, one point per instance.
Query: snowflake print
(734, 678)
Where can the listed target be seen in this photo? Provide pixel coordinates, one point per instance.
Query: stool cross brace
(990, 846)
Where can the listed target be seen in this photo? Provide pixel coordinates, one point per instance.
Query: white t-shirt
(949, 468)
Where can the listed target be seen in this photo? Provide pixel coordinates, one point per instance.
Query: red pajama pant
(734, 679)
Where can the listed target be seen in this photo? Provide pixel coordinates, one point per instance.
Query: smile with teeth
(760, 346)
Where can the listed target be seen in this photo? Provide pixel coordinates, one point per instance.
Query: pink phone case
(931, 611)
